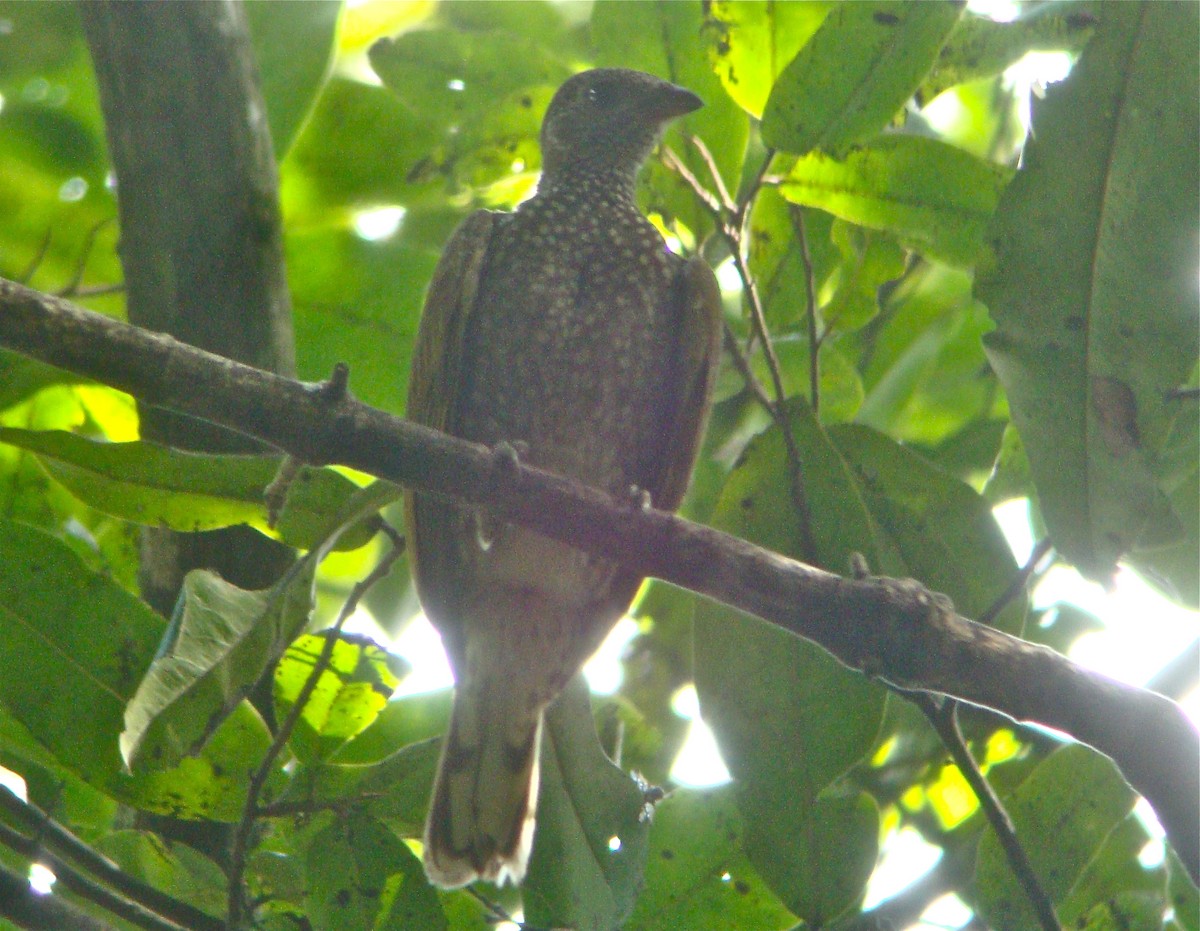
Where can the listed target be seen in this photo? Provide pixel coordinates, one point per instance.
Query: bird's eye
(600, 94)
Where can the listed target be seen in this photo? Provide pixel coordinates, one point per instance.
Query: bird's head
(608, 120)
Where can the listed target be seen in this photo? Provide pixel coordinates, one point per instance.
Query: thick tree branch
(891, 628)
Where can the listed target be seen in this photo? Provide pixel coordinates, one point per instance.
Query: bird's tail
(484, 797)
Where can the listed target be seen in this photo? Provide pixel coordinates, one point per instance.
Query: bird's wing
(693, 376)
(435, 383)
(435, 376)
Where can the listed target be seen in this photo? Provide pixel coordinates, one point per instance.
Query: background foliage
(946, 332)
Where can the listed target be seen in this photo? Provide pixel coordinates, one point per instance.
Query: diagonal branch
(891, 628)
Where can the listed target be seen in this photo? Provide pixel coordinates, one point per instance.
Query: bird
(568, 332)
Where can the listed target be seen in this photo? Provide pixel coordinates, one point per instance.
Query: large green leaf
(174, 868)
(855, 73)
(589, 849)
(349, 696)
(222, 639)
(788, 718)
(361, 877)
(942, 528)
(162, 487)
(81, 642)
(220, 642)
(699, 875)
(937, 199)
(358, 302)
(751, 41)
(1063, 812)
(1092, 283)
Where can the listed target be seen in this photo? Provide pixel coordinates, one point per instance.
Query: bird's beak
(671, 101)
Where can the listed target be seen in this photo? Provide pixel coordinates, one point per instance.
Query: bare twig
(71, 288)
(730, 227)
(258, 780)
(126, 908)
(1018, 583)
(943, 715)
(810, 310)
(65, 846)
(38, 257)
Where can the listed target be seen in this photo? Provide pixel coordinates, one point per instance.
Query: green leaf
(221, 640)
(351, 692)
(1114, 872)
(1183, 894)
(829, 868)
(162, 487)
(868, 262)
(483, 92)
(82, 643)
(935, 198)
(358, 302)
(1062, 813)
(862, 65)
(980, 47)
(749, 42)
(360, 148)
(293, 45)
(1090, 288)
(173, 868)
(788, 718)
(776, 257)
(926, 372)
(699, 875)
(941, 527)
(589, 848)
(353, 883)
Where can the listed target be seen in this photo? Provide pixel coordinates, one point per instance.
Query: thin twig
(742, 364)
(63, 844)
(36, 261)
(943, 715)
(258, 780)
(288, 809)
(711, 163)
(730, 229)
(1018, 583)
(71, 288)
(498, 913)
(131, 911)
(810, 309)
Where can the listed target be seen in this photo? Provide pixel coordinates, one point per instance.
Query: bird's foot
(638, 498)
(507, 454)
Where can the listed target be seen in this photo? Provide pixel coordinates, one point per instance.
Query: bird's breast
(570, 339)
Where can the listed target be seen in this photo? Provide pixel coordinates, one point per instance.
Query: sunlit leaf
(862, 65)
(157, 486)
(935, 198)
(1070, 803)
(349, 694)
(751, 41)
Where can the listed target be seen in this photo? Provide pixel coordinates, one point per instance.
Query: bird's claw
(638, 498)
